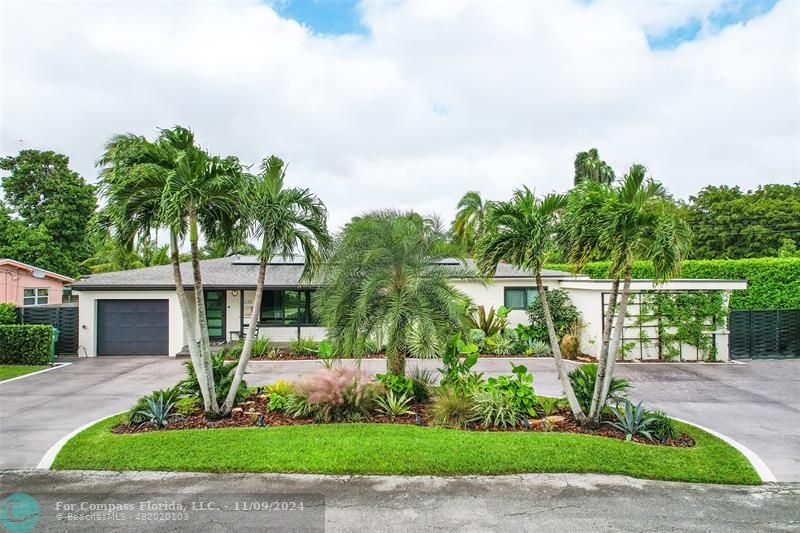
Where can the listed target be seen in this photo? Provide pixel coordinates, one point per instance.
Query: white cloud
(438, 99)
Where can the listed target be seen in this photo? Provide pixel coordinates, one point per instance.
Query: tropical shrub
(663, 428)
(295, 405)
(188, 405)
(458, 360)
(539, 348)
(262, 347)
(452, 409)
(570, 346)
(632, 421)
(280, 387)
(8, 314)
(583, 379)
(547, 406)
(518, 389)
(25, 345)
(494, 408)
(394, 405)
(303, 346)
(478, 338)
(491, 322)
(563, 311)
(222, 371)
(422, 383)
(397, 384)
(277, 401)
(339, 395)
(499, 344)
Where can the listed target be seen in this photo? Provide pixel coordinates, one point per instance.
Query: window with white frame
(35, 296)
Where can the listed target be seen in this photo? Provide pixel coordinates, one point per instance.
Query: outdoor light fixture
(419, 421)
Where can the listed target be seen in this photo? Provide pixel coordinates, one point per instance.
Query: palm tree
(589, 167)
(468, 222)
(283, 218)
(521, 232)
(632, 221)
(171, 183)
(385, 279)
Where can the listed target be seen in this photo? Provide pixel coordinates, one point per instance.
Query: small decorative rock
(236, 410)
(251, 402)
(554, 419)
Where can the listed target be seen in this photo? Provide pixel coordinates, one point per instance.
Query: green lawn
(12, 371)
(399, 449)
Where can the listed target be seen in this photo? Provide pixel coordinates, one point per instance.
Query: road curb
(759, 465)
(47, 461)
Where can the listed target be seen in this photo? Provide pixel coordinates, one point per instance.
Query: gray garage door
(132, 327)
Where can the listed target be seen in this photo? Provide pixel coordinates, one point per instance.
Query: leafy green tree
(729, 223)
(384, 279)
(171, 183)
(633, 220)
(589, 167)
(285, 220)
(521, 232)
(54, 205)
(468, 222)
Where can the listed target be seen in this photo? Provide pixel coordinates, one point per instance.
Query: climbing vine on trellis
(684, 318)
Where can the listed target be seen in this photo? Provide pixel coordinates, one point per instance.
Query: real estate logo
(19, 512)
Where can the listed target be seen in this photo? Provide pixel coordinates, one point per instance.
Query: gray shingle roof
(236, 273)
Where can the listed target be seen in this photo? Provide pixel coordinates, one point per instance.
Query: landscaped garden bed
(338, 420)
(255, 412)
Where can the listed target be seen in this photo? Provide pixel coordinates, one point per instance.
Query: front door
(215, 315)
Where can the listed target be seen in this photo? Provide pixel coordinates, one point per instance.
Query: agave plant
(158, 411)
(632, 420)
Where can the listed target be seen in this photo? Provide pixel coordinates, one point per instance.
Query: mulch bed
(254, 407)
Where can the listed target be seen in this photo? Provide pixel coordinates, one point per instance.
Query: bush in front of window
(25, 345)
(8, 314)
(562, 310)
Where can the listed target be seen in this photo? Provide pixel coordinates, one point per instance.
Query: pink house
(23, 284)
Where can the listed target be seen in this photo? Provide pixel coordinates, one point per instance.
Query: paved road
(537, 502)
(757, 403)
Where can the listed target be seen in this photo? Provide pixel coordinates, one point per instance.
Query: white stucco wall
(493, 294)
(87, 317)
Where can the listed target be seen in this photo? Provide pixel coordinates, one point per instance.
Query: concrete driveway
(37, 411)
(757, 403)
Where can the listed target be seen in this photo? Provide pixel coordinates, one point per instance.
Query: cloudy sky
(409, 104)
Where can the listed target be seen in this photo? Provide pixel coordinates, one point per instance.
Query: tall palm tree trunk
(191, 338)
(617, 338)
(562, 371)
(200, 304)
(244, 358)
(602, 362)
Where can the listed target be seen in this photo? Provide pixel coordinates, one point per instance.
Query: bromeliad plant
(491, 322)
(583, 379)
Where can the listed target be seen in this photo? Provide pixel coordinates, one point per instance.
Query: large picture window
(519, 297)
(287, 308)
(35, 296)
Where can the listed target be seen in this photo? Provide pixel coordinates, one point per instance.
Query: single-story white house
(135, 312)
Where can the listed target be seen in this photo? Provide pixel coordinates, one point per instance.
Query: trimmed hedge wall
(25, 345)
(773, 283)
(8, 314)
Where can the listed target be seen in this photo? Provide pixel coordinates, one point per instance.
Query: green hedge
(773, 283)
(25, 345)
(8, 314)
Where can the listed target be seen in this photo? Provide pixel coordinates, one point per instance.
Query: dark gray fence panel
(768, 333)
(63, 317)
